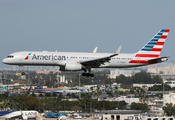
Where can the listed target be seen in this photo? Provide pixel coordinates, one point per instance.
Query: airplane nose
(5, 61)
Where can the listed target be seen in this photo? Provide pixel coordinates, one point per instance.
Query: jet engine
(72, 66)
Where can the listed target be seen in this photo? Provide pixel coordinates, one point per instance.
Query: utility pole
(163, 87)
(57, 77)
(79, 87)
(50, 78)
(1, 78)
(91, 107)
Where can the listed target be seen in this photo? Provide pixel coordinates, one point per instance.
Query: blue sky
(81, 25)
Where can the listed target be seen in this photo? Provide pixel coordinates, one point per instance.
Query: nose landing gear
(22, 68)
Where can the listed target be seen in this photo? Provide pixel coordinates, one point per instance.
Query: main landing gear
(87, 72)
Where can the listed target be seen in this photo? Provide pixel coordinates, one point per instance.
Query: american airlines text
(48, 57)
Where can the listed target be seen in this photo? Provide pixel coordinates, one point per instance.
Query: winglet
(95, 50)
(117, 52)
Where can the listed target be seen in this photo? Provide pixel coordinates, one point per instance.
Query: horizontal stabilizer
(161, 58)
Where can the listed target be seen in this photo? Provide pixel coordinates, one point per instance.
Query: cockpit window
(10, 56)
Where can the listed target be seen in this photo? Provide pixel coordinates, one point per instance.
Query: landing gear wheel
(23, 73)
(87, 74)
(83, 74)
(91, 75)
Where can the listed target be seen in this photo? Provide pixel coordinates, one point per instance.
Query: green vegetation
(160, 88)
(50, 80)
(142, 77)
(169, 109)
(140, 106)
(56, 104)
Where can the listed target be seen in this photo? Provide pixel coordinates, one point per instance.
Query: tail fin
(29, 90)
(153, 48)
(40, 89)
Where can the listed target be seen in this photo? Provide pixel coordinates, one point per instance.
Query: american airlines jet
(76, 61)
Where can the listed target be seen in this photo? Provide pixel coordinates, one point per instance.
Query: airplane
(77, 61)
(19, 114)
(41, 90)
(19, 93)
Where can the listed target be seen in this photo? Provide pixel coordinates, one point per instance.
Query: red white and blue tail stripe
(153, 48)
(149, 54)
(40, 89)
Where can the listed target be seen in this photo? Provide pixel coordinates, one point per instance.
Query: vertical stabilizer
(153, 48)
(40, 89)
(29, 90)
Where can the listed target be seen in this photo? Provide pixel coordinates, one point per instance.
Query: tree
(54, 94)
(92, 89)
(33, 94)
(40, 95)
(48, 94)
(160, 88)
(75, 108)
(140, 106)
(169, 109)
(110, 93)
(24, 102)
(121, 93)
(131, 91)
(141, 77)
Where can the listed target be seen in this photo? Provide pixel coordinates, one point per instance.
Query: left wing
(100, 61)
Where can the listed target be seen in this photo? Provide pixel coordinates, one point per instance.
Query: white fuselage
(61, 58)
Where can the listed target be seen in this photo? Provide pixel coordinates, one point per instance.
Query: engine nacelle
(72, 66)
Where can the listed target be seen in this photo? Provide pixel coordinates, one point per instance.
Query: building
(146, 117)
(170, 82)
(126, 86)
(168, 98)
(126, 72)
(162, 69)
(131, 115)
(121, 114)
